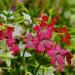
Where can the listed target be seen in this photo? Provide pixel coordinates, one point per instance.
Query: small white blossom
(27, 54)
(3, 16)
(18, 30)
(5, 13)
(21, 46)
(27, 19)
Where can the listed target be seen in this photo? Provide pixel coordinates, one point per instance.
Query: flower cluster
(6, 34)
(42, 41)
(66, 37)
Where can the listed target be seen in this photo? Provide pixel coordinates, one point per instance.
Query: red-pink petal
(14, 49)
(53, 60)
(8, 34)
(36, 28)
(51, 53)
(41, 47)
(60, 59)
(44, 34)
(29, 45)
(48, 44)
(57, 47)
(43, 24)
(10, 41)
(63, 51)
(29, 35)
(45, 18)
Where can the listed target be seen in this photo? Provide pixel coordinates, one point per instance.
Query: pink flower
(36, 28)
(28, 41)
(36, 42)
(29, 45)
(7, 35)
(14, 49)
(10, 41)
(8, 32)
(13, 46)
(57, 55)
(43, 32)
(45, 45)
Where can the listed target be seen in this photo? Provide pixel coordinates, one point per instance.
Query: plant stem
(43, 72)
(4, 68)
(38, 66)
(37, 69)
(23, 53)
